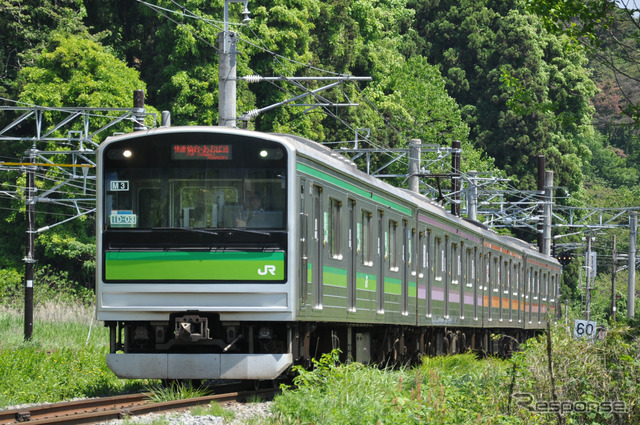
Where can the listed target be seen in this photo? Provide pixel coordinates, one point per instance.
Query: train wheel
(454, 345)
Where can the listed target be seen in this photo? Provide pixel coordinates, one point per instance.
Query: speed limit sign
(584, 329)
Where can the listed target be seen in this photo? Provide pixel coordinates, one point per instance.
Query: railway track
(105, 409)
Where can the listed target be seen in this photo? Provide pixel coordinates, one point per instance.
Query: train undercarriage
(197, 345)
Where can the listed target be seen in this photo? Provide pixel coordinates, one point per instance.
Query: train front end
(193, 273)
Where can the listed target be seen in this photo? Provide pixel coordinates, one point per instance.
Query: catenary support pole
(548, 211)
(542, 163)
(227, 77)
(415, 151)
(29, 257)
(138, 110)
(455, 179)
(614, 258)
(589, 274)
(633, 229)
(472, 199)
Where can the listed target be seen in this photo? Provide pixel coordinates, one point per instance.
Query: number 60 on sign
(584, 329)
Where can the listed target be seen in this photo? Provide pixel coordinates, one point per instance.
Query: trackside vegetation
(594, 382)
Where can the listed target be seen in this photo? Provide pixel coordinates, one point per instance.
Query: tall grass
(64, 359)
(465, 390)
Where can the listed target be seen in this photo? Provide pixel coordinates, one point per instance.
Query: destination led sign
(210, 152)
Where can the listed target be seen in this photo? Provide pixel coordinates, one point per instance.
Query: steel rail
(112, 408)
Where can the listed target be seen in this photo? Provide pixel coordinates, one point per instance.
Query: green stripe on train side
(392, 286)
(240, 266)
(366, 281)
(334, 276)
(353, 189)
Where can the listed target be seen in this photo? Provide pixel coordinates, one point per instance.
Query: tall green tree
(70, 70)
(25, 25)
(523, 92)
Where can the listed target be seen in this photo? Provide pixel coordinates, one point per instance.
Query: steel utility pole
(548, 210)
(227, 68)
(455, 177)
(589, 274)
(541, 183)
(613, 280)
(633, 228)
(415, 152)
(29, 259)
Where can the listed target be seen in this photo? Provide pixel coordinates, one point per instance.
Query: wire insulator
(251, 114)
(252, 78)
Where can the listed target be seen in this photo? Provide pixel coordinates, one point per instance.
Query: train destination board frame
(207, 152)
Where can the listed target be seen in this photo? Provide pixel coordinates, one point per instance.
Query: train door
(489, 285)
(318, 245)
(475, 281)
(366, 280)
(428, 260)
(353, 254)
(381, 262)
(509, 293)
(465, 252)
(530, 292)
(446, 272)
(303, 246)
(405, 264)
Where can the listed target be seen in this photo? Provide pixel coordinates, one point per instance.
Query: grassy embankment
(65, 359)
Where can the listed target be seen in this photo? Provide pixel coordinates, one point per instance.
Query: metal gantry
(73, 181)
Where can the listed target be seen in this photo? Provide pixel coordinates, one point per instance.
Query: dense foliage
(503, 77)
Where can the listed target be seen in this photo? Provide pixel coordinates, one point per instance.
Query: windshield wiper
(247, 231)
(190, 230)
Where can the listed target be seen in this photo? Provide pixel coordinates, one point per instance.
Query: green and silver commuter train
(233, 254)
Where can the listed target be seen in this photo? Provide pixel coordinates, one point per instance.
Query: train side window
(552, 291)
(487, 279)
(367, 241)
(413, 239)
(455, 264)
(545, 286)
(393, 245)
(536, 285)
(496, 275)
(470, 266)
(335, 226)
(440, 262)
(507, 277)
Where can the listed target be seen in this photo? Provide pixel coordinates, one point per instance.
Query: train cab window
(392, 241)
(367, 238)
(195, 182)
(335, 226)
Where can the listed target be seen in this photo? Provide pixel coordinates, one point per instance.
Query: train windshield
(196, 181)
